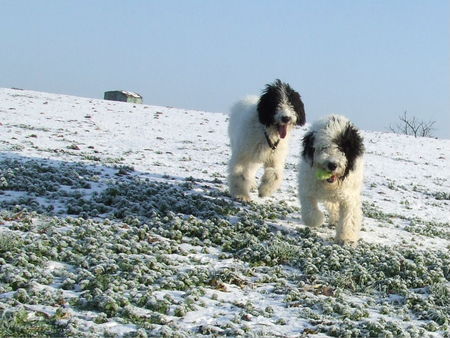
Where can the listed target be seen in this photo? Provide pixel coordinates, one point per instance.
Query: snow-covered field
(115, 220)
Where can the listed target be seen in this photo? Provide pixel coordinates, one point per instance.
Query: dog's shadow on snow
(61, 188)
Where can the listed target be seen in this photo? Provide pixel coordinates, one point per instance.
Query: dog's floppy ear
(268, 102)
(350, 142)
(308, 147)
(297, 103)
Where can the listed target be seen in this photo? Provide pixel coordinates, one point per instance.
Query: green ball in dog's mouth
(322, 174)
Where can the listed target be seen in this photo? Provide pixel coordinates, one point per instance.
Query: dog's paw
(243, 198)
(265, 190)
(347, 238)
(346, 242)
(348, 234)
(263, 193)
(313, 219)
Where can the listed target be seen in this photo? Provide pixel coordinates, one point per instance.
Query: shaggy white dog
(259, 129)
(331, 171)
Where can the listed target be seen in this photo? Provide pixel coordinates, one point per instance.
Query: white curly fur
(341, 196)
(250, 150)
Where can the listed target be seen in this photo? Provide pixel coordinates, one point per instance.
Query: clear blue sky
(369, 60)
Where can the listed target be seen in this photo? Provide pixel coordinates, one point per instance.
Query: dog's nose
(332, 166)
(285, 119)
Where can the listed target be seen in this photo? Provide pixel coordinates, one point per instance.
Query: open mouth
(282, 130)
(332, 179)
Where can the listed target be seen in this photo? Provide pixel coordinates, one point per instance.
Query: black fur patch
(268, 103)
(271, 98)
(297, 103)
(351, 144)
(308, 146)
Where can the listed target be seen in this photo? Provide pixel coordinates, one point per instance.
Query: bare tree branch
(411, 126)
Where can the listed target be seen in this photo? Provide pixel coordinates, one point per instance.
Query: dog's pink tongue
(282, 130)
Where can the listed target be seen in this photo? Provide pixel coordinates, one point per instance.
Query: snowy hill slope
(116, 218)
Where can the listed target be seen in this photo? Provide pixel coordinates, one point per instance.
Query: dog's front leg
(270, 181)
(311, 214)
(350, 219)
(241, 179)
(333, 212)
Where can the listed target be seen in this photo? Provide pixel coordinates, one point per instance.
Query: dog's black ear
(268, 102)
(296, 102)
(350, 142)
(308, 147)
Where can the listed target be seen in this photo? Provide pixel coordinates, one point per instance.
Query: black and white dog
(259, 129)
(331, 171)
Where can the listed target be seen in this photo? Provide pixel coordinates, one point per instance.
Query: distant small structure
(123, 96)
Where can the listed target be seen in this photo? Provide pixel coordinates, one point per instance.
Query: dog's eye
(323, 148)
